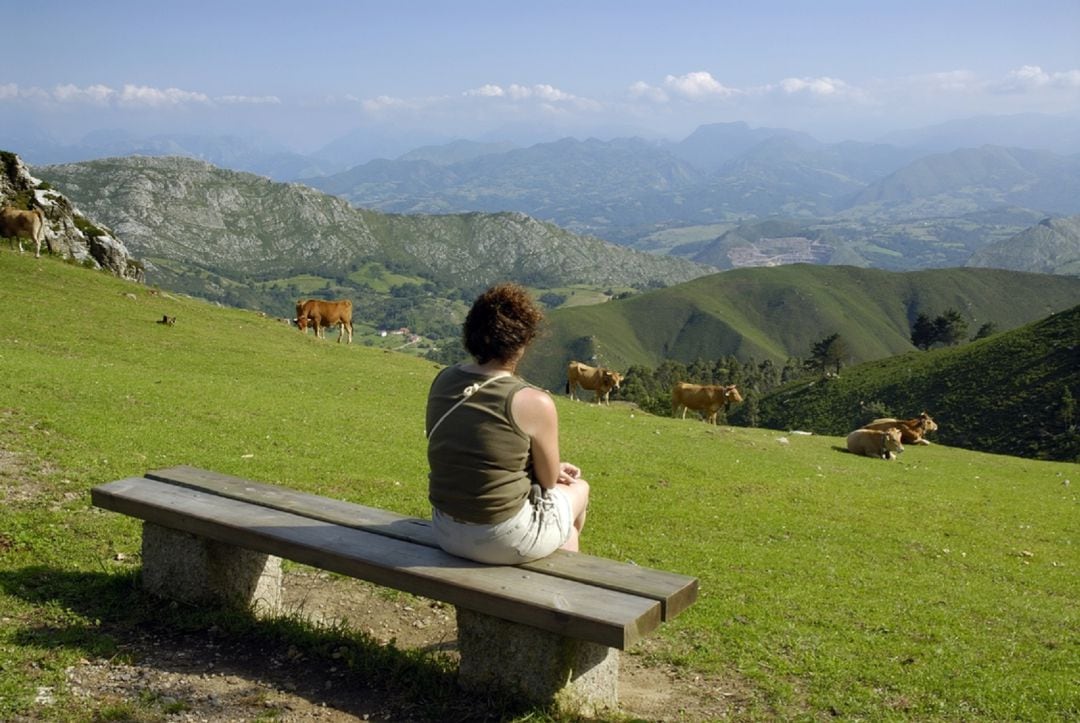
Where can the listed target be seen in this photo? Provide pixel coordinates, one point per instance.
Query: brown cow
(300, 312)
(880, 443)
(322, 314)
(911, 430)
(705, 398)
(596, 379)
(18, 224)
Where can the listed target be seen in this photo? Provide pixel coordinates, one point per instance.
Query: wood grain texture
(558, 605)
(674, 592)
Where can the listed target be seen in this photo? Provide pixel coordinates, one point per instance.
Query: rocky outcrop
(68, 233)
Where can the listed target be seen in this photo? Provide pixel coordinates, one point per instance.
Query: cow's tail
(41, 225)
(568, 386)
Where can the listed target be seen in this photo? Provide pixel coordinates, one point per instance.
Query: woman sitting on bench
(499, 491)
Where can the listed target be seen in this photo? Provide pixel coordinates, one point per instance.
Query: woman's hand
(568, 473)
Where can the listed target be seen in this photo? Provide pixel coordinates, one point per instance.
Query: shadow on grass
(108, 616)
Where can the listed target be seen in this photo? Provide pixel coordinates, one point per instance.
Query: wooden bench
(550, 629)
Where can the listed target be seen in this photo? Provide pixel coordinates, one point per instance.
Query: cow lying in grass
(883, 444)
(912, 430)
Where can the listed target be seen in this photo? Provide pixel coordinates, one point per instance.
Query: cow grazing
(704, 398)
(18, 224)
(880, 443)
(321, 314)
(598, 380)
(912, 431)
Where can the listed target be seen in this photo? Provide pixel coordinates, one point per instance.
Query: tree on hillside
(829, 353)
(951, 328)
(923, 332)
(987, 329)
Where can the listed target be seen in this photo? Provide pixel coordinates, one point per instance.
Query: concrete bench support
(542, 666)
(184, 567)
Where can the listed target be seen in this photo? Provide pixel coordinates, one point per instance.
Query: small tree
(950, 327)
(987, 329)
(830, 352)
(923, 332)
(1067, 410)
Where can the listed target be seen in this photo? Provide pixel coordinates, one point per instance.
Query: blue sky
(303, 73)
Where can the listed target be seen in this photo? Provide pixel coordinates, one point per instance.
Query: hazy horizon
(301, 77)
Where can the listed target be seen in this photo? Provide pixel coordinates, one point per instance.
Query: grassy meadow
(941, 586)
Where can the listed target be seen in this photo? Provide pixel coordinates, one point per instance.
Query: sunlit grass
(942, 585)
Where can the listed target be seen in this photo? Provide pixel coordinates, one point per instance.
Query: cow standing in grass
(18, 224)
(321, 314)
(598, 380)
(704, 398)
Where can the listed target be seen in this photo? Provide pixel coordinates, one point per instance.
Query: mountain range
(929, 198)
(225, 234)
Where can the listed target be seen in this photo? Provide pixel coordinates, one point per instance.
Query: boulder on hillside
(68, 233)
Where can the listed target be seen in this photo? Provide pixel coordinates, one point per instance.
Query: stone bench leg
(192, 569)
(545, 667)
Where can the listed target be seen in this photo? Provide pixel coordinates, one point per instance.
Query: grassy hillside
(1051, 246)
(941, 586)
(777, 313)
(1011, 393)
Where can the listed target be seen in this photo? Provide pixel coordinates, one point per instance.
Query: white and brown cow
(912, 431)
(598, 380)
(704, 398)
(321, 314)
(880, 443)
(18, 224)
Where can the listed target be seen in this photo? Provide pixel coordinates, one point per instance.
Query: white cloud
(1066, 79)
(94, 94)
(383, 103)
(551, 94)
(142, 95)
(818, 87)
(644, 91)
(699, 84)
(487, 91)
(949, 81)
(9, 90)
(1029, 78)
(249, 100)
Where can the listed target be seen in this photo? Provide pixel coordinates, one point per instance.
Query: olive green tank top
(480, 469)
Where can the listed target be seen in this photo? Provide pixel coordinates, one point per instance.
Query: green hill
(778, 313)
(941, 586)
(1012, 393)
(1052, 246)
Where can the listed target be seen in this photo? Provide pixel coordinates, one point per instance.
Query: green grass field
(942, 586)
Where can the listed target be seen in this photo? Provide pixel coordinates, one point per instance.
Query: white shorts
(535, 531)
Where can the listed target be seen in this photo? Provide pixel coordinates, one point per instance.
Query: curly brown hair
(502, 320)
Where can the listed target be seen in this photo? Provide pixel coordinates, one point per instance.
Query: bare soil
(211, 677)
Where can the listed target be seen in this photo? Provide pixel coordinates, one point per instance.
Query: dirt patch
(209, 677)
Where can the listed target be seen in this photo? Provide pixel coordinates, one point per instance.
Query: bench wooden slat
(673, 591)
(558, 605)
